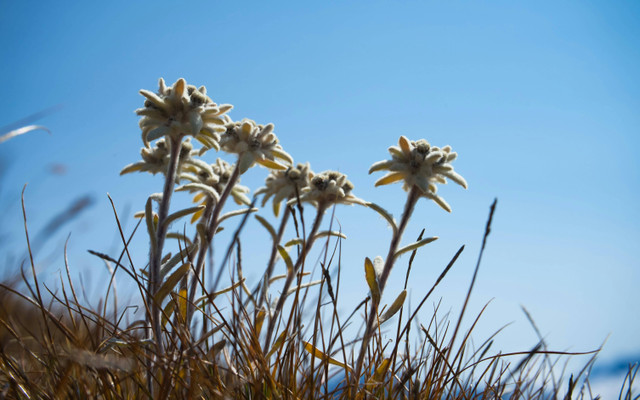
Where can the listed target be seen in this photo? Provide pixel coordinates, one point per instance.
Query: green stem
(412, 199)
(161, 233)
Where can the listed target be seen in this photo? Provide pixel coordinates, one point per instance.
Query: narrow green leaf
(299, 241)
(180, 237)
(213, 295)
(294, 242)
(277, 344)
(331, 233)
(325, 357)
(286, 258)
(237, 212)
(372, 281)
(380, 372)
(384, 214)
(215, 349)
(267, 226)
(395, 307)
(171, 282)
(168, 312)
(202, 232)
(148, 213)
(259, 321)
(181, 256)
(414, 246)
(199, 187)
(182, 213)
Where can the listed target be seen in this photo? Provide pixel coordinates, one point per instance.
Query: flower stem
(292, 274)
(412, 199)
(161, 233)
(204, 247)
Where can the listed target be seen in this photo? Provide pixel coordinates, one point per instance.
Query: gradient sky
(540, 100)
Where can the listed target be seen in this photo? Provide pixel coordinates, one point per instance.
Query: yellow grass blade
(372, 281)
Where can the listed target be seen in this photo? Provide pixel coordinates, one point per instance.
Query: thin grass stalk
(412, 199)
(475, 275)
(272, 257)
(305, 250)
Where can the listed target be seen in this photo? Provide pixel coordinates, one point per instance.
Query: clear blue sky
(540, 100)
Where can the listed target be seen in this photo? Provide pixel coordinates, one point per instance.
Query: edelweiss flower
(182, 110)
(422, 165)
(284, 184)
(156, 159)
(254, 143)
(209, 181)
(329, 187)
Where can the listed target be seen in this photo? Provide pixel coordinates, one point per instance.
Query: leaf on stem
(171, 282)
(151, 229)
(325, 357)
(287, 260)
(384, 214)
(236, 212)
(380, 372)
(395, 307)
(182, 213)
(299, 241)
(414, 246)
(267, 226)
(181, 256)
(372, 281)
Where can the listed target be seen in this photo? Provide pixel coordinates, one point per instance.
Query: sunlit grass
(281, 336)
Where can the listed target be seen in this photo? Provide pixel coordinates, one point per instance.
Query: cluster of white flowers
(284, 184)
(180, 110)
(329, 187)
(208, 181)
(254, 143)
(421, 165)
(156, 159)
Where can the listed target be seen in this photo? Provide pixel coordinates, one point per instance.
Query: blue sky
(539, 99)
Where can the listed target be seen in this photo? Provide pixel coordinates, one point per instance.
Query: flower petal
(405, 145)
(390, 178)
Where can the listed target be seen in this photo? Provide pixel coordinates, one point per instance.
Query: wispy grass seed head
(180, 110)
(419, 164)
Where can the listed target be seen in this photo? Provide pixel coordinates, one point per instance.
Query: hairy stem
(412, 199)
(161, 233)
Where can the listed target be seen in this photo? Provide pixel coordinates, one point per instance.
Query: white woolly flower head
(329, 187)
(254, 143)
(208, 181)
(156, 159)
(179, 110)
(284, 184)
(422, 165)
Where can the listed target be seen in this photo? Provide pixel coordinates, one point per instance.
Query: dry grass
(198, 341)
